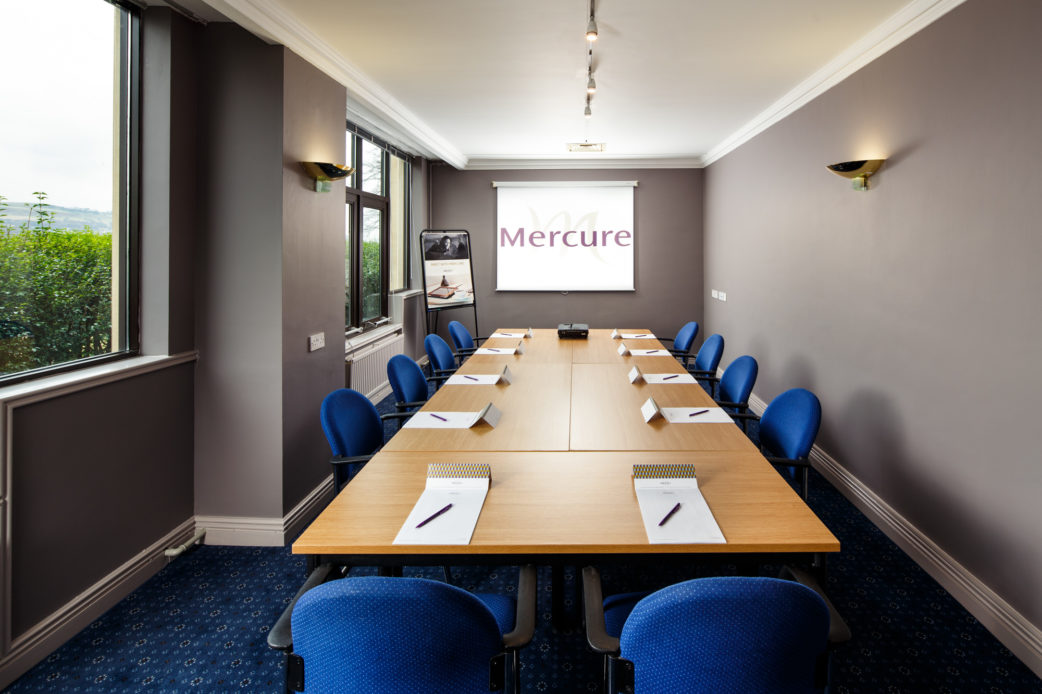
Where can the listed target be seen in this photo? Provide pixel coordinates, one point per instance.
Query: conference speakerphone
(578, 331)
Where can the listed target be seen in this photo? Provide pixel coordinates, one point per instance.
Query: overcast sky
(56, 101)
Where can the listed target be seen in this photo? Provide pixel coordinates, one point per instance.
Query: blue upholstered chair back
(378, 634)
(790, 424)
(736, 385)
(460, 335)
(439, 352)
(709, 353)
(685, 337)
(727, 634)
(351, 423)
(406, 378)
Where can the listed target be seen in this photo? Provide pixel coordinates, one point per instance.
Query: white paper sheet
(693, 522)
(481, 379)
(453, 420)
(637, 336)
(453, 527)
(662, 378)
(502, 351)
(649, 352)
(527, 333)
(682, 415)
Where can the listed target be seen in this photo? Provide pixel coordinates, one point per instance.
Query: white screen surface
(565, 236)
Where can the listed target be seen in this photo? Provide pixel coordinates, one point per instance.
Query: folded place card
(425, 419)
(448, 509)
(672, 507)
(503, 377)
(638, 376)
(623, 349)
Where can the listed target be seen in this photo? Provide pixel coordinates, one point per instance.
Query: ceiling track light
(591, 28)
(587, 112)
(591, 85)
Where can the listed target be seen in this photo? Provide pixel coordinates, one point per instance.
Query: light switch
(316, 341)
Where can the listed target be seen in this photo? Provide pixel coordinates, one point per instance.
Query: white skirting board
(1016, 633)
(246, 531)
(38, 642)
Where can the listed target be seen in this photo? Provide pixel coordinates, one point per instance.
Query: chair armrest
(736, 405)
(396, 415)
(281, 635)
(524, 623)
(348, 459)
(839, 632)
(593, 608)
(402, 405)
(745, 415)
(698, 373)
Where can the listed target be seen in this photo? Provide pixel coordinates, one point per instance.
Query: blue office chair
(788, 428)
(408, 383)
(681, 348)
(716, 635)
(706, 361)
(380, 634)
(465, 344)
(736, 385)
(354, 429)
(443, 363)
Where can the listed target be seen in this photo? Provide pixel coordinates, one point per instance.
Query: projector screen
(564, 236)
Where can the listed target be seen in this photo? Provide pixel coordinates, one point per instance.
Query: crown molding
(372, 104)
(899, 27)
(582, 162)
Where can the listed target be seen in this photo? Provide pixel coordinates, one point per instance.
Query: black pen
(697, 413)
(492, 349)
(445, 508)
(661, 522)
(438, 417)
(666, 378)
(470, 377)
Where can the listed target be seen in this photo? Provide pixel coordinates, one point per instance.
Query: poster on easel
(448, 276)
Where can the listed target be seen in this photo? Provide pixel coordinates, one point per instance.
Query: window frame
(359, 200)
(126, 218)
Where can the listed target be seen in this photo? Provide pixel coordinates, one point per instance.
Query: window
(377, 204)
(65, 178)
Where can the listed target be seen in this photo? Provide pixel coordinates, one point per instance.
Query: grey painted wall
(912, 309)
(238, 406)
(312, 272)
(668, 252)
(98, 476)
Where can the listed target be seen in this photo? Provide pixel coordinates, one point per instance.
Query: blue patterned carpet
(200, 624)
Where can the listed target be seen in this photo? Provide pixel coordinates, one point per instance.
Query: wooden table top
(562, 457)
(619, 425)
(568, 503)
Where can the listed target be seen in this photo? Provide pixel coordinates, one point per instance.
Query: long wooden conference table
(561, 458)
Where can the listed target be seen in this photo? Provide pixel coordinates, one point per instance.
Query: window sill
(90, 377)
(359, 341)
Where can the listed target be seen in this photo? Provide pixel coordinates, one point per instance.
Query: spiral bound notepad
(671, 506)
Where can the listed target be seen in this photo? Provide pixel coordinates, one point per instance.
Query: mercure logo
(571, 239)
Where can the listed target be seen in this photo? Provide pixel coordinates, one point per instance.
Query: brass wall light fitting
(858, 171)
(324, 173)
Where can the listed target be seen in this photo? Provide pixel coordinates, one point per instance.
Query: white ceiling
(493, 83)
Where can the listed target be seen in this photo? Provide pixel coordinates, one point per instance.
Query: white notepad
(503, 351)
(684, 415)
(638, 376)
(503, 376)
(527, 333)
(616, 335)
(659, 489)
(452, 501)
(426, 419)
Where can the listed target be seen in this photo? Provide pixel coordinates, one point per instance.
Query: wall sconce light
(325, 173)
(858, 171)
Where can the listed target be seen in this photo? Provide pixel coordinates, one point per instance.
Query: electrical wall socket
(723, 296)
(716, 294)
(316, 341)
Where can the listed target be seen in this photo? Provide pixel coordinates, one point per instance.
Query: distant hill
(64, 217)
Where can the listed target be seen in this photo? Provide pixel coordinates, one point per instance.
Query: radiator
(366, 367)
